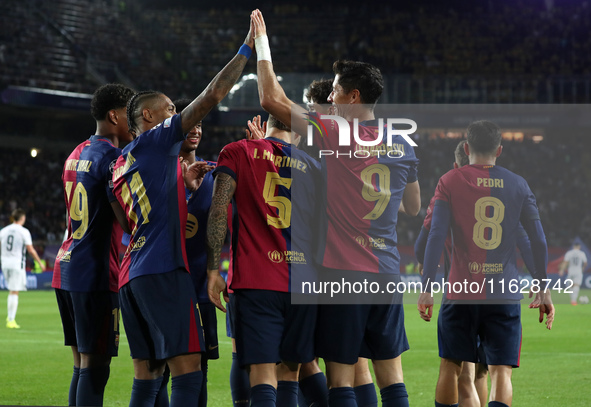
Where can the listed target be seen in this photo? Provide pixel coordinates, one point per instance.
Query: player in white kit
(576, 260)
(16, 242)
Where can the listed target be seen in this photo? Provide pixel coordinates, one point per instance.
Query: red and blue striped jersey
(88, 260)
(196, 234)
(483, 205)
(150, 188)
(364, 188)
(265, 211)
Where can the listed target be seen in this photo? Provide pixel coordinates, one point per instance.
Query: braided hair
(135, 107)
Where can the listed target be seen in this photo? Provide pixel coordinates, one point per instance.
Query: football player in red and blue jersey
(483, 251)
(158, 300)
(472, 380)
(86, 271)
(364, 191)
(259, 177)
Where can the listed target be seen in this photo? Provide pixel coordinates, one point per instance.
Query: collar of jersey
(285, 143)
(102, 138)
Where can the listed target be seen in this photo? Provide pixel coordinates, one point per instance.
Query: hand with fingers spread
(256, 130)
(193, 174)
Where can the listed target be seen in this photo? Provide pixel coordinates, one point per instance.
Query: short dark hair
(109, 97)
(136, 105)
(17, 214)
(460, 154)
(364, 77)
(484, 137)
(181, 104)
(272, 122)
(319, 90)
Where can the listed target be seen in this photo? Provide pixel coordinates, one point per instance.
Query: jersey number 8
(484, 222)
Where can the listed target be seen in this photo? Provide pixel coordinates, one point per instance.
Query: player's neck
(103, 131)
(477, 159)
(360, 113)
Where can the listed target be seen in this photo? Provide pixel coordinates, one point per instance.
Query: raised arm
(223, 190)
(271, 94)
(219, 87)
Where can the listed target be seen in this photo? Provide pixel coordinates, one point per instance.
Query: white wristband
(263, 50)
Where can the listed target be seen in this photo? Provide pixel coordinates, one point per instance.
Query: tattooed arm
(217, 89)
(217, 224)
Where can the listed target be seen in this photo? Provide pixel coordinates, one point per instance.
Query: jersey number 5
(485, 222)
(283, 204)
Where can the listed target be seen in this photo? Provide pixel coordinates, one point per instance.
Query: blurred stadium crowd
(57, 45)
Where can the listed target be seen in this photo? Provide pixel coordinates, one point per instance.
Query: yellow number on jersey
(369, 193)
(283, 204)
(78, 207)
(484, 222)
(137, 188)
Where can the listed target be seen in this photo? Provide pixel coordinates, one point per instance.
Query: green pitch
(35, 367)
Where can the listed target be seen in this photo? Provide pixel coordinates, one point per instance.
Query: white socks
(12, 306)
(575, 295)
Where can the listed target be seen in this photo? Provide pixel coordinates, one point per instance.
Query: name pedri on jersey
(196, 234)
(486, 203)
(363, 195)
(89, 258)
(265, 212)
(150, 188)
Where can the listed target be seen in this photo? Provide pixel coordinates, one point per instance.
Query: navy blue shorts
(230, 314)
(345, 332)
(161, 316)
(269, 329)
(209, 321)
(498, 326)
(90, 320)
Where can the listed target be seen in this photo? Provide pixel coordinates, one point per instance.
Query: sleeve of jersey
(421, 244)
(440, 221)
(530, 219)
(27, 238)
(169, 133)
(524, 247)
(413, 174)
(228, 161)
(111, 162)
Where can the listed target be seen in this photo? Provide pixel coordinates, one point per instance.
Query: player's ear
(147, 114)
(499, 150)
(355, 96)
(467, 149)
(113, 116)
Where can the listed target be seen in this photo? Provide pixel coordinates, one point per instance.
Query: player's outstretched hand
(256, 130)
(425, 306)
(193, 174)
(216, 286)
(260, 28)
